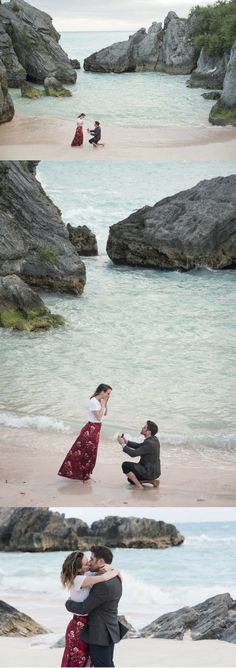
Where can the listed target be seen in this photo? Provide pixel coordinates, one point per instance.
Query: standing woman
(79, 137)
(81, 458)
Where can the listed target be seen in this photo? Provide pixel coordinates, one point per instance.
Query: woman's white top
(77, 593)
(80, 122)
(93, 405)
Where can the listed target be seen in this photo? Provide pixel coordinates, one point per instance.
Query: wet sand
(30, 461)
(36, 138)
(21, 652)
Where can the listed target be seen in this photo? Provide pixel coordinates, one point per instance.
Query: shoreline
(31, 138)
(19, 653)
(30, 460)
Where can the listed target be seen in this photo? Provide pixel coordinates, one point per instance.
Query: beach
(30, 460)
(19, 652)
(37, 138)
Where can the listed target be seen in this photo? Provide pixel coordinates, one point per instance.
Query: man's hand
(121, 440)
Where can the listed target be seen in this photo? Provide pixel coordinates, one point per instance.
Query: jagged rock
(6, 104)
(75, 63)
(168, 49)
(22, 309)
(135, 532)
(54, 88)
(27, 90)
(15, 73)
(212, 95)
(35, 43)
(224, 111)
(83, 239)
(210, 71)
(214, 618)
(196, 227)
(34, 242)
(16, 623)
(40, 529)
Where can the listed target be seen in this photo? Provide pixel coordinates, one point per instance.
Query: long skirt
(81, 458)
(76, 651)
(78, 138)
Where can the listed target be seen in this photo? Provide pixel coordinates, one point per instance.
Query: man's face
(144, 430)
(95, 564)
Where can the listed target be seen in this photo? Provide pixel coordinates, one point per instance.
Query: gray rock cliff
(210, 71)
(6, 104)
(224, 111)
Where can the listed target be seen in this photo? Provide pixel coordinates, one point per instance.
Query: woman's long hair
(72, 566)
(101, 388)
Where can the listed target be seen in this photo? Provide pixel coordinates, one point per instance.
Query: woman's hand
(112, 573)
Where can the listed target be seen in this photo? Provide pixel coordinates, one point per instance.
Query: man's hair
(152, 426)
(102, 552)
(97, 122)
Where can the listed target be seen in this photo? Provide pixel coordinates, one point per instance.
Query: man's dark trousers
(102, 655)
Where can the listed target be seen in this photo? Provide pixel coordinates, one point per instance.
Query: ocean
(146, 99)
(155, 582)
(163, 340)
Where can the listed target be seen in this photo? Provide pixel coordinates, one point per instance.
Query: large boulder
(34, 242)
(30, 91)
(210, 71)
(22, 308)
(83, 239)
(168, 49)
(15, 73)
(41, 530)
(6, 104)
(224, 111)
(54, 88)
(194, 228)
(215, 618)
(35, 43)
(16, 623)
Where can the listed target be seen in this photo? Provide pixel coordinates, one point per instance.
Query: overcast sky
(112, 14)
(173, 515)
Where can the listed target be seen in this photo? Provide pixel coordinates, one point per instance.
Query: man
(103, 629)
(96, 135)
(148, 469)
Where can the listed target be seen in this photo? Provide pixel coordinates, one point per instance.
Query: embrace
(95, 590)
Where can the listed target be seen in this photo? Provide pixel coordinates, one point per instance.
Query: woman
(81, 458)
(75, 575)
(79, 137)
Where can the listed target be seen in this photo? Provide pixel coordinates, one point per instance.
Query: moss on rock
(222, 115)
(30, 321)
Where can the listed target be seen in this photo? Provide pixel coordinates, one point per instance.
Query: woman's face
(85, 564)
(106, 395)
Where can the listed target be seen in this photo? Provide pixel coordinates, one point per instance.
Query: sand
(49, 139)
(30, 460)
(20, 652)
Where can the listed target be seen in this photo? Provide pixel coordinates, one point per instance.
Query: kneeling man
(148, 469)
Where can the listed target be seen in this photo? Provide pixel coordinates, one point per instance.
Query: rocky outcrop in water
(22, 309)
(30, 91)
(194, 228)
(161, 49)
(42, 530)
(16, 623)
(54, 88)
(6, 104)
(224, 111)
(32, 49)
(34, 242)
(210, 71)
(215, 618)
(83, 240)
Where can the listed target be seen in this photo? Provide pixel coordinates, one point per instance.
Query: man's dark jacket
(102, 607)
(149, 466)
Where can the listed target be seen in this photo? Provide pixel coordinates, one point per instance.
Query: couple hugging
(95, 590)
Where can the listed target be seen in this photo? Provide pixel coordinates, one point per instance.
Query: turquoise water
(154, 581)
(165, 341)
(147, 99)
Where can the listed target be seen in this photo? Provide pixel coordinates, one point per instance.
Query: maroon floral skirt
(76, 651)
(81, 458)
(78, 138)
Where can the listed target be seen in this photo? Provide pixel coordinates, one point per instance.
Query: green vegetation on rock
(24, 39)
(222, 116)
(32, 320)
(214, 27)
(48, 253)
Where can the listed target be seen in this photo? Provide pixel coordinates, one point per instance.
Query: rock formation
(27, 90)
(54, 88)
(32, 49)
(215, 618)
(16, 623)
(34, 242)
(42, 530)
(224, 111)
(161, 49)
(194, 228)
(83, 240)
(75, 63)
(132, 633)
(22, 309)
(210, 71)
(6, 104)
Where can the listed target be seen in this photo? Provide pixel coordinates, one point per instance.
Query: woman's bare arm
(91, 580)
